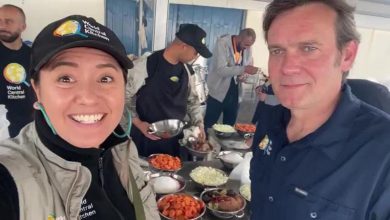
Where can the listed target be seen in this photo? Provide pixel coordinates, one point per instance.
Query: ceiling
(387, 2)
(379, 8)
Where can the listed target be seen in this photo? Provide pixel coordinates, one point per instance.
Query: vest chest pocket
(309, 205)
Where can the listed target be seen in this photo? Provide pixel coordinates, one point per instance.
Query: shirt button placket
(271, 198)
(283, 158)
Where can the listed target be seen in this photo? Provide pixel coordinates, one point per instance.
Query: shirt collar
(327, 138)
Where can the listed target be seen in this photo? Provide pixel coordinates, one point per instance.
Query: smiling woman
(82, 91)
(75, 156)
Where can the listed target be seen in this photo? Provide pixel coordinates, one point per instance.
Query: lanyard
(237, 55)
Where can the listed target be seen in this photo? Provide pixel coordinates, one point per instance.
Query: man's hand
(251, 69)
(262, 96)
(143, 126)
(202, 134)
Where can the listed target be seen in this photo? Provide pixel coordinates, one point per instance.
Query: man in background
(231, 62)
(15, 90)
(160, 87)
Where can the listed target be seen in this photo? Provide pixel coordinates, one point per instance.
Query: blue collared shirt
(341, 171)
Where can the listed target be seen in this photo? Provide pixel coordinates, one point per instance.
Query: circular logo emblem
(67, 28)
(15, 73)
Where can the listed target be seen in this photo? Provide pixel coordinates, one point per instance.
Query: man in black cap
(159, 88)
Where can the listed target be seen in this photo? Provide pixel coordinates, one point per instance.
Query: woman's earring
(39, 106)
(127, 132)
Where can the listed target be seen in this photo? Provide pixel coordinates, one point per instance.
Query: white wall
(372, 61)
(254, 20)
(39, 13)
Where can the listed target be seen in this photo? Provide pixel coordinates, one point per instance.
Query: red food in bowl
(180, 207)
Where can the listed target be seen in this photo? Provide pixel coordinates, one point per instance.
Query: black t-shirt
(15, 89)
(164, 95)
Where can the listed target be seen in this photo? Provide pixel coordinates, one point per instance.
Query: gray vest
(52, 188)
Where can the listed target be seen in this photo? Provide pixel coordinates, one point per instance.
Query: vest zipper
(101, 175)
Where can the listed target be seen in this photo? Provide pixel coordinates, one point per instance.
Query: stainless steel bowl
(158, 170)
(179, 179)
(205, 185)
(222, 214)
(226, 163)
(196, 198)
(223, 134)
(197, 153)
(166, 128)
(245, 135)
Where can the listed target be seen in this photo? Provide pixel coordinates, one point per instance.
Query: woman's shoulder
(19, 153)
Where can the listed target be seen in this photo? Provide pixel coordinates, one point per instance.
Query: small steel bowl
(196, 198)
(245, 135)
(205, 185)
(197, 153)
(223, 214)
(166, 128)
(158, 170)
(228, 164)
(179, 179)
(223, 134)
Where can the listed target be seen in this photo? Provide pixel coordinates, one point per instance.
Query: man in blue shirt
(322, 153)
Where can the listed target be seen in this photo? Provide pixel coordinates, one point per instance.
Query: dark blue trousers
(229, 108)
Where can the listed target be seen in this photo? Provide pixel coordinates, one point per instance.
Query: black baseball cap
(76, 31)
(194, 36)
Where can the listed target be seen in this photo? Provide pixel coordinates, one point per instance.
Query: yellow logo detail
(15, 73)
(67, 28)
(51, 217)
(174, 79)
(264, 143)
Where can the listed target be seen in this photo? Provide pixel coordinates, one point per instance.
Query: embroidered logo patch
(15, 73)
(82, 28)
(53, 217)
(67, 28)
(265, 145)
(174, 79)
(203, 41)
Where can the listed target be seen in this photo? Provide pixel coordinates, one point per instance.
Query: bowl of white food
(166, 183)
(245, 191)
(230, 159)
(223, 130)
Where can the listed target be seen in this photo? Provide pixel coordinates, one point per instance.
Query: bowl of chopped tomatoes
(245, 130)
(164, 163)
(181, 206)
